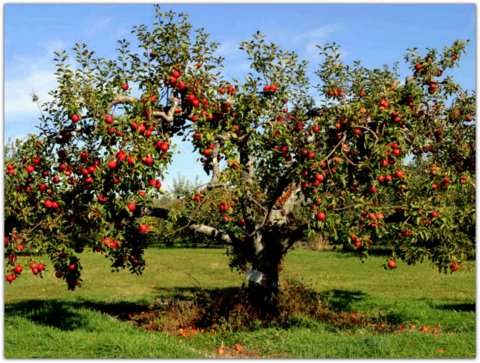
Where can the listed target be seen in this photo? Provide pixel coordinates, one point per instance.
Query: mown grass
(44, 320)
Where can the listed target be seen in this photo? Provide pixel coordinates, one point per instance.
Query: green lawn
(44, 320)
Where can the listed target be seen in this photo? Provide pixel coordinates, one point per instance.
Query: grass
(44, 320)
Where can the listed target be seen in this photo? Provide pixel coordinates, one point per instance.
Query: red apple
(131, 206)
(223, 207)
(148, 160)
(109, 119)
(112, 164)
(121, 155)
(391, 264)
(454, 266)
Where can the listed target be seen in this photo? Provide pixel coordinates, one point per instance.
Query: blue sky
(376, 34)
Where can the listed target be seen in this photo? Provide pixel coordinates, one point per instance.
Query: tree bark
(264, 278)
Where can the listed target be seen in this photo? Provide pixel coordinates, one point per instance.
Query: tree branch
(120, 99)
(168, 116)
(209, 231)
(248, 174)
(368, 129)
(294, 237)
(216, 150)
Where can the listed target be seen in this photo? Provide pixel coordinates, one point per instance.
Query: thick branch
(120, 99)
(216, 150)
(211, 232)
(294, 237)
(246, 159)
(168, 116)
(161, 213)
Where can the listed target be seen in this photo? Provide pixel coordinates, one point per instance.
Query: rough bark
(264, 283)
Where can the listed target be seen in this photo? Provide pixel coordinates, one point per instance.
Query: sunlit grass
(44, 320)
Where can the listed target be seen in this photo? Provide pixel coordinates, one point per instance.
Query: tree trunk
(264, 278)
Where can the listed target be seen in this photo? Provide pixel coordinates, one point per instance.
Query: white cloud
(19, 92)
(318, 34)
(28, 76)
(98, 24)
(52, 46)
(228, 49)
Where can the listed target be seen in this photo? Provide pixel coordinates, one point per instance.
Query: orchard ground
(433, 314)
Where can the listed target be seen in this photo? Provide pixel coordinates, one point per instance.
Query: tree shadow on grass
(463, 307)
(66, 315)
(52, 313)
(190, 293)
(341, 300)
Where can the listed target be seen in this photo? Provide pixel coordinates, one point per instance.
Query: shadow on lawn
(341, 300)
(190, 293)
(58, 314)
(332, 306)
(67, 315)
(464, 307)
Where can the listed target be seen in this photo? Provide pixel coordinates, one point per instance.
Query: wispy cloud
(52, 46)
(28, 76)
(98, 24)
(317, 36)
(228, 49)
(19, 91)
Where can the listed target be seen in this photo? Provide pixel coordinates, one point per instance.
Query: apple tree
(355, 153)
